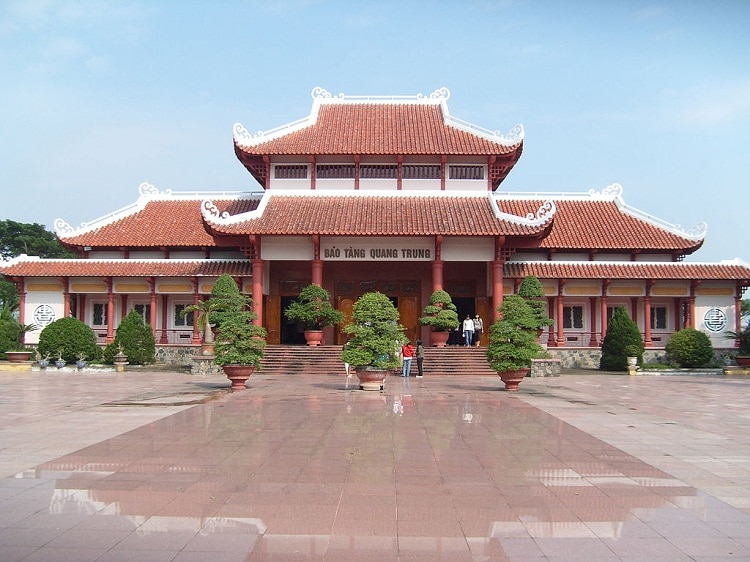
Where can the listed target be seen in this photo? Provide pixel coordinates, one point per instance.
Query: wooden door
(483, 307)
(272, 313)
(409, 313)
(344, 304)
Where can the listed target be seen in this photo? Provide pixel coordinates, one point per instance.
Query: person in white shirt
(468, 328)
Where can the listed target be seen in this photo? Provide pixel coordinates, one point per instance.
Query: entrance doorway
(292, 333)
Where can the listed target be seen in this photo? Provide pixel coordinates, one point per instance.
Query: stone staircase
(326, 360)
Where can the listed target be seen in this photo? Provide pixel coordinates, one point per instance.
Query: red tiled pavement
(582, 466)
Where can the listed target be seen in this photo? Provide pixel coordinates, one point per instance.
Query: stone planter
(17, 356)
(238, 374)
(439, 339)
(513, 378)
(371, 378)
(314, 337)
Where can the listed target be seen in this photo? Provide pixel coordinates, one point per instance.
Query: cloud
(714, 105)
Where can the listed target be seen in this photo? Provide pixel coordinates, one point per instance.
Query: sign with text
(368, 250)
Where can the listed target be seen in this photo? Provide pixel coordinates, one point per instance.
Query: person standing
(478, 327)
(419, 354)
(407, 352)
(468, 328)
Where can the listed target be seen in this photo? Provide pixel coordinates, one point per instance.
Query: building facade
(391, 194)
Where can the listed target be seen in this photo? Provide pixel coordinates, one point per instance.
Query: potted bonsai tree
(532, 291)
(314, 310)
(202, 311)
(376, 338)
(512, 341)
(441, 315)
(622, 332)
(13, 335)
(239, 343)
(743, 348)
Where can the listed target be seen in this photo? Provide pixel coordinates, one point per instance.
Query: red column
(497, 288)
(66, 297)
(110, 310)
(164, 324)
(196, 338)
(152, 315)
(551, 328)
(437, 275)
(317, 272)
(691, 304)
(592, 322)
(123, 306)
(647, 341)
(560, 342)
(258, 291)
(603, 314)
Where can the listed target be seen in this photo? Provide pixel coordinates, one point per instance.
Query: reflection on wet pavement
(307, 468)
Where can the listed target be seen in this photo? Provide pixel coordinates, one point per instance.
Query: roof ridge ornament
(146, 188)
(211, 211)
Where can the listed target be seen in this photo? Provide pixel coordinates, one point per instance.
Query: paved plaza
(158, 466)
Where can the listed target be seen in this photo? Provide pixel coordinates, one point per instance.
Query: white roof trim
(147, 193)
(321, 96)
(613, 192)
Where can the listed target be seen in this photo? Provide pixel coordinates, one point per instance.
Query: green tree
(532, 291)
(376, 335)
(621, 333)
(690, 348)
(33, 239)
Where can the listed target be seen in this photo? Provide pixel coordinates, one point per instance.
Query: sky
(99, 96)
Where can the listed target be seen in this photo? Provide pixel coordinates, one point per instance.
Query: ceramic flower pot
(371, 378)
(238, 374)
(513, 378)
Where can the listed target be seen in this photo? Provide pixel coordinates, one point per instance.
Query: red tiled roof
(35, 267)
(161, 222)
(376, 215)
(598, 225)
(362, 128)
(629, 270)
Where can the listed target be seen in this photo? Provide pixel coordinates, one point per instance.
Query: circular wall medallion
(715, 320)
(44, 314)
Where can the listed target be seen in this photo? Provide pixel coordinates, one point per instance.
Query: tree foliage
(136, 339)
(690, 348)
(313, 309)
(621, 333)
(68, 338)
(238, 340)
(440, 314)
(32, 239)
(376, 335)
(532, 291)
(512, 340)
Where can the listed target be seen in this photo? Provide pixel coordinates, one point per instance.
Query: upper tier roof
(389, 126)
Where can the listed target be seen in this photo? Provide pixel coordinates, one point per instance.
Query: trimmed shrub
(69, 337)
(441, 313)
(136, 339)
(8, 335)
(532, 291)
(622, 332)
(513, 343)
(690, 348)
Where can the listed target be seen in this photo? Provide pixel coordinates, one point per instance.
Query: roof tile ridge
(612, 193)
(544, 214)
(212, 215)
(146, 193)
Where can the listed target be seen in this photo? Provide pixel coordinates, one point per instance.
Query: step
(326, 359)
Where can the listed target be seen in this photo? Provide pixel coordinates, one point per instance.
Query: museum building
(391, 194)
